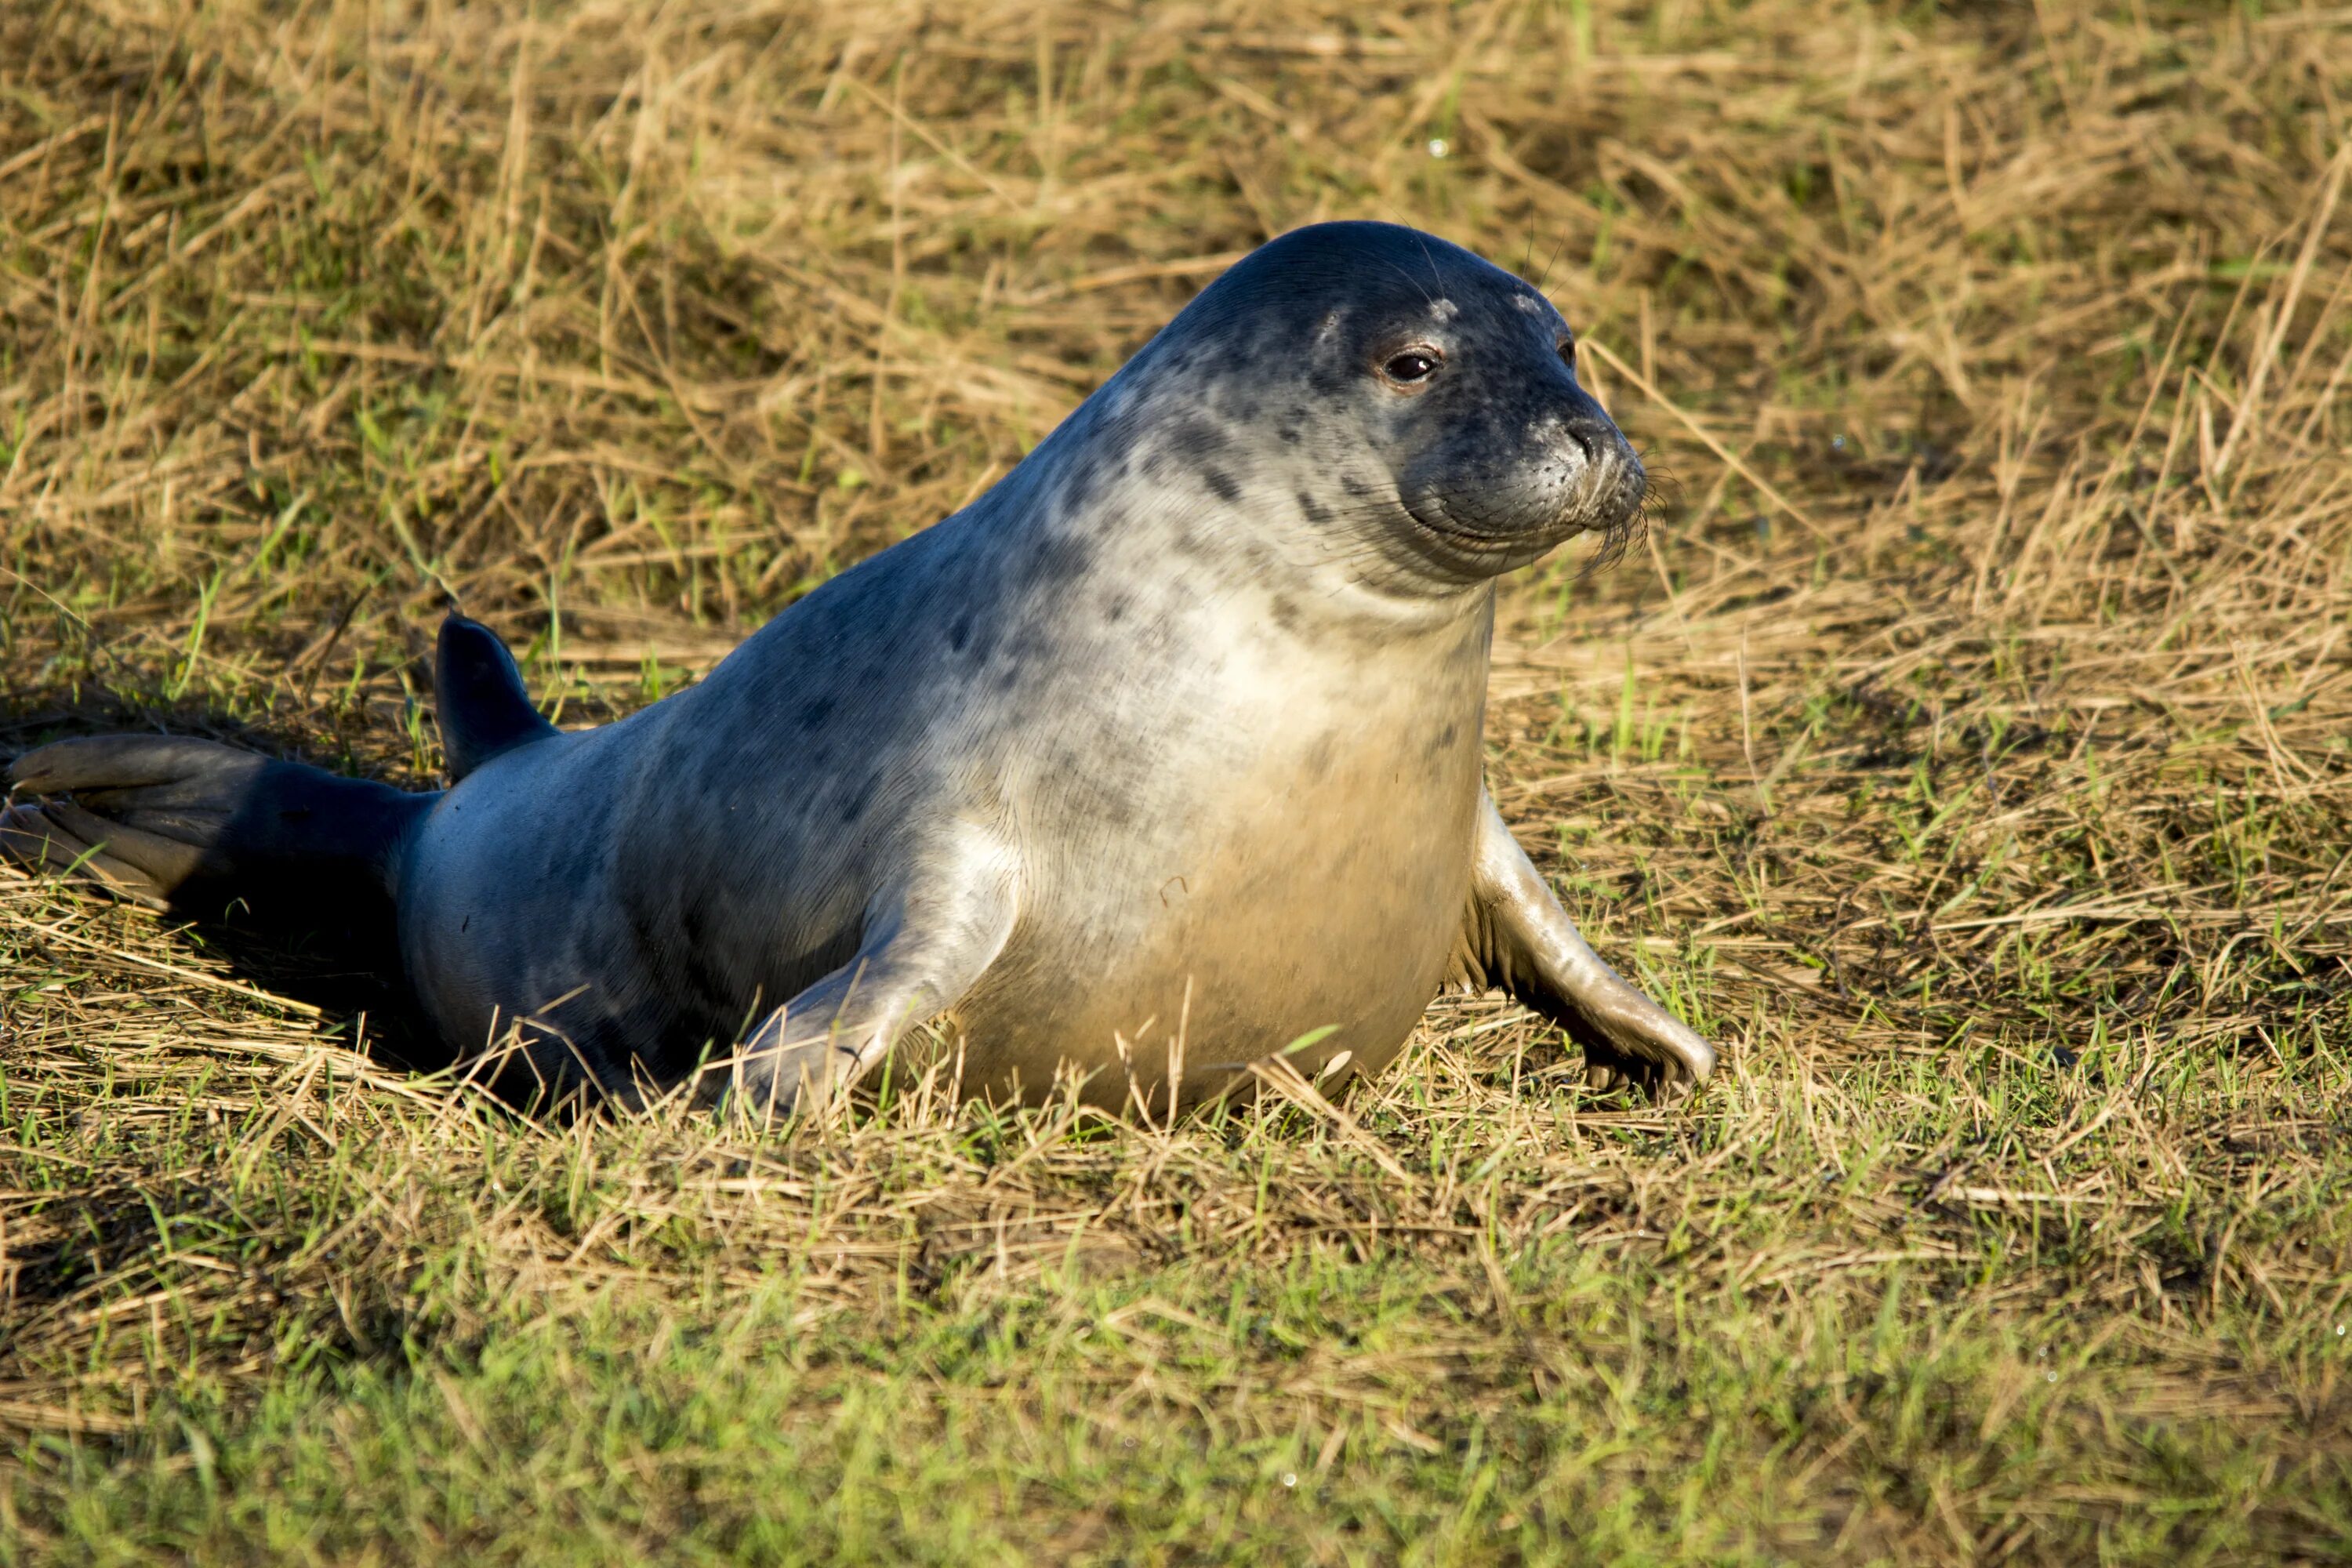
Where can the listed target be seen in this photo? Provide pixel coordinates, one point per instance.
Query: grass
(1965, 749)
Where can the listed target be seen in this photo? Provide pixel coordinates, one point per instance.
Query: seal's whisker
(1427, 297)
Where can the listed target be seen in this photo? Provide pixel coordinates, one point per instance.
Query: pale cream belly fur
(1323, 891)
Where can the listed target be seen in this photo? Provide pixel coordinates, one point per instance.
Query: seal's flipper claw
(1519, 939)
(479, 693)
(796, 1062)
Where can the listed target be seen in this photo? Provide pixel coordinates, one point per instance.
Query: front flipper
(924, 948)
(1518, 939)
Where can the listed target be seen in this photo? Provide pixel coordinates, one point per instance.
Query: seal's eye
(1568, 350)
(1413, 364)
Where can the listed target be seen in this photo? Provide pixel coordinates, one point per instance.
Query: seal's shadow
(348, 969)
(334, 949)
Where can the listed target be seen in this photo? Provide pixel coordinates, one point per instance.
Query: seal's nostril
(1597, 439)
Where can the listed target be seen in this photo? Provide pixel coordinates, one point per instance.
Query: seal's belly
(1312, 896)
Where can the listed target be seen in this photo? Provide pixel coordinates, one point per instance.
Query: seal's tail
(191, 826)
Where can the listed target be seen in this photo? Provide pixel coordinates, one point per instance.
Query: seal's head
(1414, 409)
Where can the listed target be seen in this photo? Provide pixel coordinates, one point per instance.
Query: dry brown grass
(1967, 746)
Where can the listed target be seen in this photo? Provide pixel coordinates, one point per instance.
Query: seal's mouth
(1431, 515)
(1610, 505)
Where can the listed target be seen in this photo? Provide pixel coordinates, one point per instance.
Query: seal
(1161, 759)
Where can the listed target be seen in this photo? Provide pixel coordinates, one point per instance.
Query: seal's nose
(1589, 427)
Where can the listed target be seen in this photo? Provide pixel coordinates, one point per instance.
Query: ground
(1965, 748)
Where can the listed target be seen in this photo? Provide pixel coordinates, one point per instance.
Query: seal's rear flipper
(484, 706)
(191, 826)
